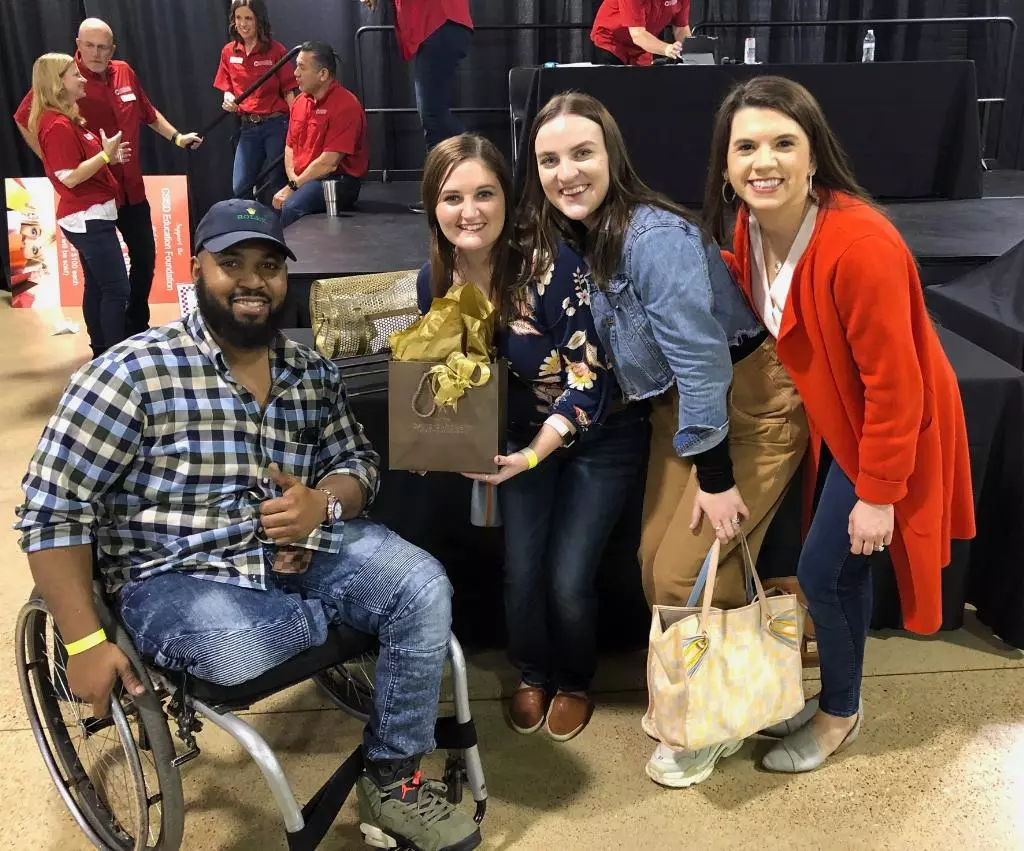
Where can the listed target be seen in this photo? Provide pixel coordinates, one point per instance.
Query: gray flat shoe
(784, 728)
(799, 751)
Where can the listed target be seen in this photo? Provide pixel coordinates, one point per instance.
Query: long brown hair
(264, 33)
(48, 89)
(832, 171)
(506, 259)
(542, 224)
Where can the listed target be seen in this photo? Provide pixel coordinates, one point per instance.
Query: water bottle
(750, 51)
(868, 54)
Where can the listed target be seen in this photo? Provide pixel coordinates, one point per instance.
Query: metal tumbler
(331, 196)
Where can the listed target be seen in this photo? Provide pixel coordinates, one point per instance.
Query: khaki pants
(767, 440)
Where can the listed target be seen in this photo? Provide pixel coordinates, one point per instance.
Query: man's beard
(241, 334)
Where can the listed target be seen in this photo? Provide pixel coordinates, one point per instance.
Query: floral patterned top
(556, 361)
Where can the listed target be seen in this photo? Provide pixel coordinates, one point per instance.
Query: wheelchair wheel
(115, 774)
(350, 686)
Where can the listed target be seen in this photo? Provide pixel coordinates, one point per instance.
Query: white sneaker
(680, 769)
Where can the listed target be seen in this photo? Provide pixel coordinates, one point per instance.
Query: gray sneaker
(412, 813)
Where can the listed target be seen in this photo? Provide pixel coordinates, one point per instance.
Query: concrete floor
(940, 764)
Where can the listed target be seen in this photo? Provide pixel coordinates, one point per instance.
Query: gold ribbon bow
(450, 380)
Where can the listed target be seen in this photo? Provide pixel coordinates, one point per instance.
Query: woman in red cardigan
(837, 286)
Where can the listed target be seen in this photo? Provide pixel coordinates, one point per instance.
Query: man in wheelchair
(222, 475)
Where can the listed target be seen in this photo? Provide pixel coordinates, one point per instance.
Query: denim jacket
(670, 313)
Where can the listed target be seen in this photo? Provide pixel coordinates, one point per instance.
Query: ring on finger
(736, 520)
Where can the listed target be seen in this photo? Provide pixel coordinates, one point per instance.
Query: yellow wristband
(106, 157)
(87, 643)
(531, 457)
(177, 140)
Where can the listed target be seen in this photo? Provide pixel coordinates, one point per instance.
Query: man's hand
(190, 141)
(92, 674)
(674, 50)
(282, 196)
(228, 104)
(294, 515)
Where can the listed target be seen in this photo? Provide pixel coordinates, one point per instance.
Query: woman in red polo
(628, 32)
(76, 160)
(264, 113)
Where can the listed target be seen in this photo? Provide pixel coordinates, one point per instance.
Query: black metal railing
(985, 103)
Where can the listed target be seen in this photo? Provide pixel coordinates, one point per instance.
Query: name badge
(128, 98)
(236, 60)
(89, 137)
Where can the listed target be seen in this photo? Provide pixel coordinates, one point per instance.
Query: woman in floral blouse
(580, 450)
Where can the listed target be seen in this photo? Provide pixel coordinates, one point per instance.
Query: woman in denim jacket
(559, 501)
(725, 416)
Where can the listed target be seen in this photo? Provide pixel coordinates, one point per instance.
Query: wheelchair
(120, 776)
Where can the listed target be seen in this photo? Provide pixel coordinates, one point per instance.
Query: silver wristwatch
(334, 508)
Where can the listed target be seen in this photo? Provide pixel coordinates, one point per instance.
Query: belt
(253, 118)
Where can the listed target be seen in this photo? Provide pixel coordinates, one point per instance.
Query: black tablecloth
(433, 512)
(910, 128)
(986, 305)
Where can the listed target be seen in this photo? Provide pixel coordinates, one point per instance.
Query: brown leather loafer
(528, 708)
(568, 715)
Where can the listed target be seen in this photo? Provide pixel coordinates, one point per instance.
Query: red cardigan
(858, 343)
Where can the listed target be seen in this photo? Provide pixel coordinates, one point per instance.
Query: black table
(910, 128)
(986, 305)
(988, 572)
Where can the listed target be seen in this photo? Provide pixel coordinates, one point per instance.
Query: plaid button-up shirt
(160, 456)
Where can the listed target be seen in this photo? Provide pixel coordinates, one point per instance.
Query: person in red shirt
(628, 32)
(115, 102)
(838, 287)
(78, 165)
(434, 35)
(326, 138)
(264, 114)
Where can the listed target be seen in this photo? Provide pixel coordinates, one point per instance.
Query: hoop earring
(728, 185)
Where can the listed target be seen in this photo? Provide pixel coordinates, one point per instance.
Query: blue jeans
(106, 291)
(837, 584)
(309, 198)
(258, 146)
(135, 222)
(434, 67)
(558, 518)
(378, 584)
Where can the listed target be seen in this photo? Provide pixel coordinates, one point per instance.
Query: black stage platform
(947, 237)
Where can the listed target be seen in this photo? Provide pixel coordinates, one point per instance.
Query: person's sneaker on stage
(680, 769)
(399, 809)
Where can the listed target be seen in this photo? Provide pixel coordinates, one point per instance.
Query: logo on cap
(251, 211)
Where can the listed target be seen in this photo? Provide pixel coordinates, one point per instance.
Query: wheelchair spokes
(103, 767)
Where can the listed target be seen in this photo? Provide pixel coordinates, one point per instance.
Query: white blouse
(770, 299)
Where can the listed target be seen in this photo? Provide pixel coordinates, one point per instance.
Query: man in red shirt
(326, 138)
(115, 102)
(628, 32)
(435, 35)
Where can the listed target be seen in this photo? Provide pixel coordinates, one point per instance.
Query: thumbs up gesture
(292, 516)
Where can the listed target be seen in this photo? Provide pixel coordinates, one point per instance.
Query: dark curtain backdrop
(174, 46)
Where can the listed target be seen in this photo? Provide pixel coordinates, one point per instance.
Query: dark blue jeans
(106, 290)
(135, 222)
(258, 146)
(309, 198)
(558, 518)
(838, 587)
(434, 67)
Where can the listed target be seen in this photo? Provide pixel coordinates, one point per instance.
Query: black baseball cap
(230, 222)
